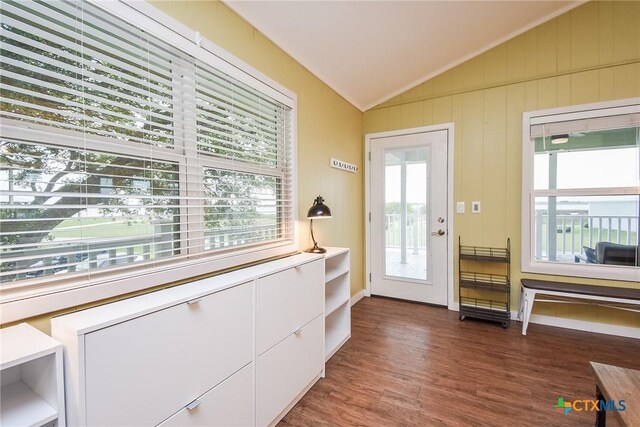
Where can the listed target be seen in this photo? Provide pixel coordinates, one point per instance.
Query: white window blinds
(239, 126)
(119, 150)
(70, 65)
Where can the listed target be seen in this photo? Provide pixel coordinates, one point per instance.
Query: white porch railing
(575, 231)
(416, 231)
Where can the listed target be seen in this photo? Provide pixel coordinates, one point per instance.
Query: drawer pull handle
(298, 331)
(193, 405)
(298, 267)
(194, 301)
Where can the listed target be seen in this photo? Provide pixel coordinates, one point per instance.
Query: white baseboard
(578, 325)
(357, 297)
(584, 325)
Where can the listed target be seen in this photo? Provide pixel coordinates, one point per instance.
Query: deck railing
(576, 231)
(70, 256)
(572, 231)
(416, 231)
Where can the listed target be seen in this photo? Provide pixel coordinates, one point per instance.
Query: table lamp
(318, 211)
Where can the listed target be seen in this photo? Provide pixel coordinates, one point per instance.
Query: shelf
(31, 371)
(480, 253)
(337, 292)
(336, 263)
(22, 343)
(484, 303)
(484, 309)
(329, 309)
(491, 282)
(491, 293)
(486, 314)
(337, 300)
(22, 407)
(334, 274)
(337, 330)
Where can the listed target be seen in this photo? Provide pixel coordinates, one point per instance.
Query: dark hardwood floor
(414, 365)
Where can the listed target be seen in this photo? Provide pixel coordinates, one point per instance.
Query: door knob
(438, 233)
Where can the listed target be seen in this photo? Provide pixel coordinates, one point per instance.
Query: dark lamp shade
(319, 210)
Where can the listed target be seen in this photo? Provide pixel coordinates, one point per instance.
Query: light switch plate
(460, 207)
(475, 206)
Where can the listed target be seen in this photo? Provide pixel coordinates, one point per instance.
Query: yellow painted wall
(328, 126)
(589, 54)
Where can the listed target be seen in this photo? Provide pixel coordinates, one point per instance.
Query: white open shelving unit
(31, 378)
(337, 300)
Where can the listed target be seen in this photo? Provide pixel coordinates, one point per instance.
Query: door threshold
(409, 300)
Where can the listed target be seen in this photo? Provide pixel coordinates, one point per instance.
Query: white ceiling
(370, 51)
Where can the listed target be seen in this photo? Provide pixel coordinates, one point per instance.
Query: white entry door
(408, 204)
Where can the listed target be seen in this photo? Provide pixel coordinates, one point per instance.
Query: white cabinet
(229, 404)
(142, 360)
(31, 378)
(287, 300)
(287, 370)
(290, 332)
(211, 336)
(337, 308)
(239, 348)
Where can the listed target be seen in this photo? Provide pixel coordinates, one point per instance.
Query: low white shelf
(31, 378)
(336, 293)
(337, 302)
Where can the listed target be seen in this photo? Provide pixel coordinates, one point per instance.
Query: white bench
(610, 296)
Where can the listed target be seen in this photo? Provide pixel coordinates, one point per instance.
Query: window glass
(602, 159)
(584, 188)
(67, 210)
(241, 208)
(572, 229)
(118, 149)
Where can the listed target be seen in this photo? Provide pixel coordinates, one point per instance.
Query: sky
(416, 183)
(591, 169)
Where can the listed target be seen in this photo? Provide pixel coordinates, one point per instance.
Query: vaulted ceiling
(370, 51)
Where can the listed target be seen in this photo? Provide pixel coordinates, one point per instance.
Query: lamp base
(316, 250)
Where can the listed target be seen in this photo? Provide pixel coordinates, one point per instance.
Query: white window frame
(36, 299)
(528, 262)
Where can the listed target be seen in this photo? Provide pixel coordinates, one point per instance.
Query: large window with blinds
(581, 191)
(121, 150)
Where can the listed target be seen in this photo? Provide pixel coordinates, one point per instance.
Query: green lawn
(100, 227)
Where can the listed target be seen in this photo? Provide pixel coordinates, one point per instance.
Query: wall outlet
(475, 207)
(459, 207)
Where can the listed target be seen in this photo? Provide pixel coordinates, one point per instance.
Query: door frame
(449, 127)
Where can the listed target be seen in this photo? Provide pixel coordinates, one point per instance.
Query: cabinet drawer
(228, 404)
(288, 300)
(286, 369)
(142, 371)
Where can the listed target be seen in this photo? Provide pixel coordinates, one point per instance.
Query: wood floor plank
(410, 364)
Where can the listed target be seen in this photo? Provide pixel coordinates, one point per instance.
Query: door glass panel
(406, 213)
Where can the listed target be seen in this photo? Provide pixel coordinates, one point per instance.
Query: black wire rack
(485, 295)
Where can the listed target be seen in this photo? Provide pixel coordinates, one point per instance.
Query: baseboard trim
(357, 297)
(584, 325)
(577, 325)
